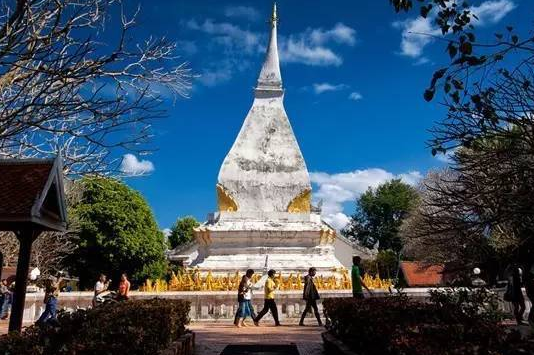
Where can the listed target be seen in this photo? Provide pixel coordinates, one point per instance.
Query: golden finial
(274, 18)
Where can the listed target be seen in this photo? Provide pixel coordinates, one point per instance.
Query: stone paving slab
(212, 338)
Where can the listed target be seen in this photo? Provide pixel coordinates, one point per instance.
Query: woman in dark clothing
(515, 294)
(529, 288)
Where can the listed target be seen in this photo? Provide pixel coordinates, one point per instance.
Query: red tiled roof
(420, 274)
(21, 183)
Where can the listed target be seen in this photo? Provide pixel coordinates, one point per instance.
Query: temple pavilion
(265, 217)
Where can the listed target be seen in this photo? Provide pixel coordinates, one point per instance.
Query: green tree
(182, 231)
(117, 233)
(379, 215)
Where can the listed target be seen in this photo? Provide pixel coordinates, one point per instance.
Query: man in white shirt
(101, 286)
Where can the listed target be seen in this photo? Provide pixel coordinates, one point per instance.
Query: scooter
(107, 297)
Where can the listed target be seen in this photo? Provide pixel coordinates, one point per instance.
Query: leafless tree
(471, 214)
(9, 247)
(49, 251)
(438, 230)
(67, 87)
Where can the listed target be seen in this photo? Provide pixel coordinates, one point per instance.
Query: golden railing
(193, 280)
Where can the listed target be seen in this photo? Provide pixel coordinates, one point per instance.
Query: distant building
(419, 274)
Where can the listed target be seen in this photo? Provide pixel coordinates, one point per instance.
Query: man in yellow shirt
(270, 304)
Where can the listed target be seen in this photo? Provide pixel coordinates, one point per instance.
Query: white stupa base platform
(286, 263)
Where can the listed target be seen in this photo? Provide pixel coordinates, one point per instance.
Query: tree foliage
(385, 264)
(67, 87)
(182, 231)
(117, 233)
(379, 214)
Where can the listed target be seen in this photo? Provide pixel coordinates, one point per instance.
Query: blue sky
(353, 76)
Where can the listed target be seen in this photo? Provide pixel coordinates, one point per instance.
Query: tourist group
(102, 295)
(310, 295)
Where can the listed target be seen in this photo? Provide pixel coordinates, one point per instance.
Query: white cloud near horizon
(166, 232)
(336, 189)
(419, 32)
(355, 96)
(132, 166)
(246, 12)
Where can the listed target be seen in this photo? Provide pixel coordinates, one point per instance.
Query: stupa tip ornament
(270, 79)
(265, 170)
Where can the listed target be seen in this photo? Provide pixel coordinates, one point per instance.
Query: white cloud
(411, 177)
(417, 33)
(314, 46)
(227, 34)
(187, 47)
(320, 88)
(355, 96)
(132, 166)
(340, 34)
(216, 76)
(491, 12)
(336, 189)
(446, 157)
(246, 12)
(233, 44)
(166, 232)
(299, 50)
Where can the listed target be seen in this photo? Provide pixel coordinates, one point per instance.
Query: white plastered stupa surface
(262, 177)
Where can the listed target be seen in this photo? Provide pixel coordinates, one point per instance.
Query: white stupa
(265, 216)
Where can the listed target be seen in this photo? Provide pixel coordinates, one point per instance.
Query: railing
(222, 305)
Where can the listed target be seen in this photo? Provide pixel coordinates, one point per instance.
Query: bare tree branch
(65, 89)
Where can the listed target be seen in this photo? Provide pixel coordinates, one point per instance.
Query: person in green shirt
(357, 281)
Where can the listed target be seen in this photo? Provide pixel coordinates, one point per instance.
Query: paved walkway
(212, 338)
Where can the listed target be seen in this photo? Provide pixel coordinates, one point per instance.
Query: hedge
(132, 327)
(448, 324)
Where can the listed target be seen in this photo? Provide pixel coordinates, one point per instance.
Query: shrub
(399, 325)
(480, 303)
(133, 327)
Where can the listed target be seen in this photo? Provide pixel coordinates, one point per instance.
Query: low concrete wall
(215, 305)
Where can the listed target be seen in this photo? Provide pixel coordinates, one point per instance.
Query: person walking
(357, 280)
(244, 298)
(101, 286)
(6, 299)
(269, 304)
(310, 295)
(124, 288)
(514, 294)
(52, 288)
